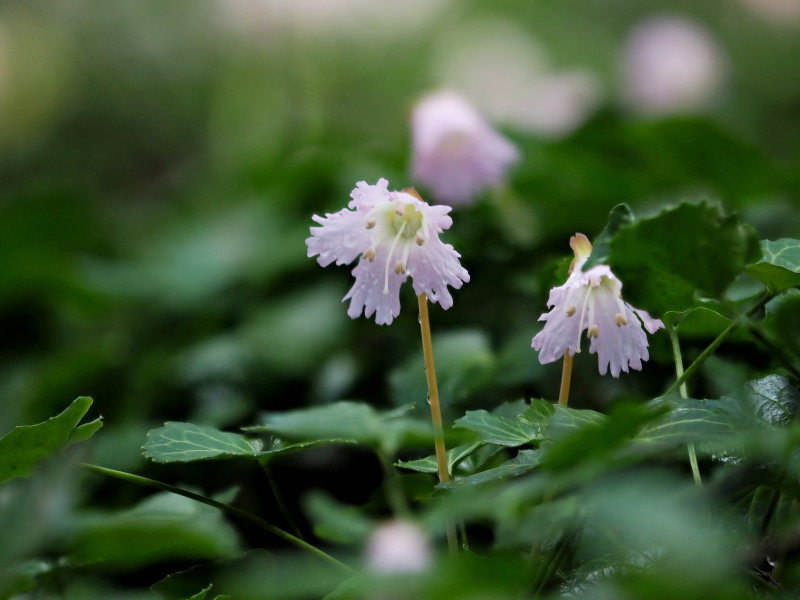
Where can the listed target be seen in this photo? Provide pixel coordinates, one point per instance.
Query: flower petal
(433, 266)
(367, 293)
(342, 237)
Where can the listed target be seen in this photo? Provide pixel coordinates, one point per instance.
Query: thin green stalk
(394, 492)
(678, 357)
(279, 500)
(227, 508)
(436, 411)
(698, 362)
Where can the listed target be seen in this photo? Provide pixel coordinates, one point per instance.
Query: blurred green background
(160, 163)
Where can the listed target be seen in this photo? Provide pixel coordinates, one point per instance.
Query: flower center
(406, 222)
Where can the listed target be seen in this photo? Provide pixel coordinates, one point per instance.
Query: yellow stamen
(593, 332)
(620, 319)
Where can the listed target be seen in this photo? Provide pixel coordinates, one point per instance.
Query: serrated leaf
(187, 442)
(582, 436)
(184, 442)
(429, 464)
(620, 216)
(497, 429)
(775, 399)
(201, 595)
(779, 267)
(524, 462)
(22, 449)
(348, 421)
(565, 420)
(663, 261)
(783, 320)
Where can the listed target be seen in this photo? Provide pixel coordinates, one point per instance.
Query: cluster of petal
(592, 301)
(398, 547)
(454, 151)
(396, 235)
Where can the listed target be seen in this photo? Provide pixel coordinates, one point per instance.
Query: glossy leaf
(779, 267)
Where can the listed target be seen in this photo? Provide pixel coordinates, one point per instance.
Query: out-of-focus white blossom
(505, 72)
(592, 301)
(670, 65)
(777, 11)
(398, 547)
(396, 235)
(454, 150)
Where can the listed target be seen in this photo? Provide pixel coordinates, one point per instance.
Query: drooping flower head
(592, 301)
(396, 234)
(455, 152)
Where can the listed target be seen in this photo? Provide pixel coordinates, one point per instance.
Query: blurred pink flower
(671, 65)
(592, 300)
(455, 152)
(398, 547)
(780, 12)
(397, 235)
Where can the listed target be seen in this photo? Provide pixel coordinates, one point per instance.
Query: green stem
(678, 357)
(698, 362)
(394, 492)
(279, 500)
(227, 508)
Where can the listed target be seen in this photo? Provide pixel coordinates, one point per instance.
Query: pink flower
(397, 235)
(672, 65)
(455, 152)
(398, 547)
(591, 300)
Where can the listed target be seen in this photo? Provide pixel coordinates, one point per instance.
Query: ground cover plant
(380, 300)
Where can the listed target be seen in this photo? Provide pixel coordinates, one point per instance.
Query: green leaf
(25, 446)
(186, 442)
(783, 320)
(524, 462)
(163, 526)
(565, 421)
(775, 399)
(691, 421)
(348, 421)
(334, 521)
(581, 436)
(779, 267)
(664, 260)
(498, 429)
(201, 595)
(429, 464)
(620, 216)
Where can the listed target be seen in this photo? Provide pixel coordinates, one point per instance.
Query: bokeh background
(160, 163)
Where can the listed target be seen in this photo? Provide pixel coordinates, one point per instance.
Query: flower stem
(227, 508)
(676, 355)
(436, 411)
(566, 377)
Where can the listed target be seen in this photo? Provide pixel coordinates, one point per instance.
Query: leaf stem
(227, 508)
(697, 363)
(279, 499)
(676, 355)
(566, 377)
(436, 411)
(394, 492)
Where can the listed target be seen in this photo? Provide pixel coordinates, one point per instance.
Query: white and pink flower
(455, 151)
(592, 301)
(396, 235)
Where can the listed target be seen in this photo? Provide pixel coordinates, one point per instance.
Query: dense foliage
(159, 166)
